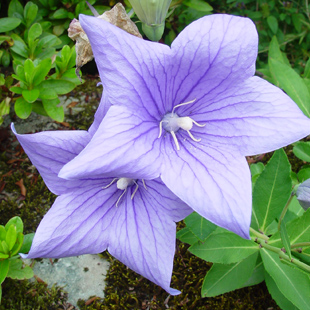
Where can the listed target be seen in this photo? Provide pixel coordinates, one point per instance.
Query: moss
(127, 290)
(27, 295)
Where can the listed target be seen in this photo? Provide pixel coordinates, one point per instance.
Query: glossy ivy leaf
(294, 284)
(25, 248)
(222, 278)
(224, 248)
(4, 268)
(285, 239)
(199, 226)
(61, 87)
(276, 294)
(298, 230)
(31, 95)
(9, 23)
(271, 191)
(302, 150)
(22, 108)
(291, 83)
(52, 109)
(185, 235)
(16, 270)
(17, 222)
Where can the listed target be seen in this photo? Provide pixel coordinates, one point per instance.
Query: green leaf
(224, 248)
(41, 71)
(29, 71)
(185, 235)
(2, 233)
(298, 230)
(34, 32)
(274, 50)
(37, 107)
(27, 243)
(285, 239)
(302, 150)
(272, 23)
(61, 87)
(292, 84)
(16, 90)
(304, 174)
(22, 108)
(20, 48)
(292, 283)
(198, 5)
(11, 236)
(276, 294)
(4, 268)
(6, 59)
(48, 41)
(307, 69)
(31, 95)
(199, 226)
(4, 108)
(5, 247)
(18, 244)
(221, 278)
(15, 7)
(48, 94)
(9, 23)
(271, 191)
(258, 274)
(16, 270)
(60, 14)
(30, 13)
(17, 222)
(52, 110)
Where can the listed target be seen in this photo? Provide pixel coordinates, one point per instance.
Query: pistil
(171, 122)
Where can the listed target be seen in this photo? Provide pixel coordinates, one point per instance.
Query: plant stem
(282, 255)
(284, 211)
(300, 245)
(258, 234)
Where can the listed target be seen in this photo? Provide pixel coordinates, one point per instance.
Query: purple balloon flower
(188, 114)
(133, 219)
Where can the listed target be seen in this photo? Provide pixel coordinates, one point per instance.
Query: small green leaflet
(271, 191)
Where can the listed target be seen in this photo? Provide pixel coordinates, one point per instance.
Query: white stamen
(197, 124)
(160, 129)
(192, 137)
(175, 140)
(181, 104)
(185, 123)
(133, 194)
(123, 193)
(144, 184)
(110, 183)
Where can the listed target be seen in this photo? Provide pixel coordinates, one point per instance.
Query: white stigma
(171, 122)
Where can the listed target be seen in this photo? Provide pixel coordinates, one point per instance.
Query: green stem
(258, 234)
(282, 255)
(300, 245)
(284, 211)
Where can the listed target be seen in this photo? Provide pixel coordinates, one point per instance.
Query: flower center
(123, 184)
(172, 122)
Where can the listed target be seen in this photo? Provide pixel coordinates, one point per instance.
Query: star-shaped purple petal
(135, 223)
(208, 108)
